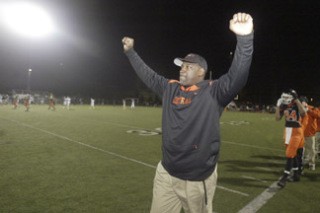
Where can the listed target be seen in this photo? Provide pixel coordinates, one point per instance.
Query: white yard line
(105, 151)
(260, 200)
(233, 191)
(229, 142)
(84, 144)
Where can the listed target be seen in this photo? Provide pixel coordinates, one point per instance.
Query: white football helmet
(286, 98)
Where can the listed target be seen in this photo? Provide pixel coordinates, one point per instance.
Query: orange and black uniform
(293, 133)
(293, 140)
(52, 103)
(15, 102)
(26, 103)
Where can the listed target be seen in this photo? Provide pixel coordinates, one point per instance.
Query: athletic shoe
(282, 182)
(312, 167)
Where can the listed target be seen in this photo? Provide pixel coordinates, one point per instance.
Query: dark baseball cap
(303, 99)
(192, 58)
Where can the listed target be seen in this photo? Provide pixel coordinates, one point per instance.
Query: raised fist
(128, 43)
(241, 24)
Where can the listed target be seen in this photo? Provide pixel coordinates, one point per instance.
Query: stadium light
(28, 80)
(26, 19)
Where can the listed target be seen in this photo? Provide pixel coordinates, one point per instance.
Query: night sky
(86, 57)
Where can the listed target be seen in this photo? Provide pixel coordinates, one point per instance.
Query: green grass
(84, 160)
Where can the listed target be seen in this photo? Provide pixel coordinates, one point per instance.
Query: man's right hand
(128, 43)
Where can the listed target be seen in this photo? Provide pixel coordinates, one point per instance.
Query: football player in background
(52, 102)
(15, 101)
(26, 102)
(68, 102)
(92, 103)
(313, 115)
(289, 106)
(318, 134)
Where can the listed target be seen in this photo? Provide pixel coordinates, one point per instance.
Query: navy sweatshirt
(191, 116)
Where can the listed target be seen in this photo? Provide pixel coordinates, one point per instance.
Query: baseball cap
(303, 99)
(192, 58)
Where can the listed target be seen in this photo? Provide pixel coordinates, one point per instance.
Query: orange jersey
(292, 115)
(304, 122)
(295, 125)
(318, 119)
(313, 115)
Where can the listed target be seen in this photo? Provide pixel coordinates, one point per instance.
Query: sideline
(105, 151)
(261, 199)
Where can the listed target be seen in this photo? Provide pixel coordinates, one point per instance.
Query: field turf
(103, 160)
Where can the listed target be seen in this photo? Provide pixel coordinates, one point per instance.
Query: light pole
(28, 80)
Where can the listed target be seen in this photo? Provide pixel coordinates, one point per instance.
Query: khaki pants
(318, 142)
(170, 194)
(310, 150)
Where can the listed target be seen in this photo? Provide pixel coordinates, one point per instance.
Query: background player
(289, 106)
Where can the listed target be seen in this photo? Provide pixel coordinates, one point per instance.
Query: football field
(104, 160)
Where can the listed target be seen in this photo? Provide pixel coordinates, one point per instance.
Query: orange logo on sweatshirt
(181, 100)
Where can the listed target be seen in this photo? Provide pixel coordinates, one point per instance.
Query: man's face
(190, 74)
(304, 104)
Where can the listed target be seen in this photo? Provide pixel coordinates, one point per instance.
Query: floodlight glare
(27, 19)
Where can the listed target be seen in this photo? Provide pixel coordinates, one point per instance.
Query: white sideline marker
(229, 142)
(260, 200)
